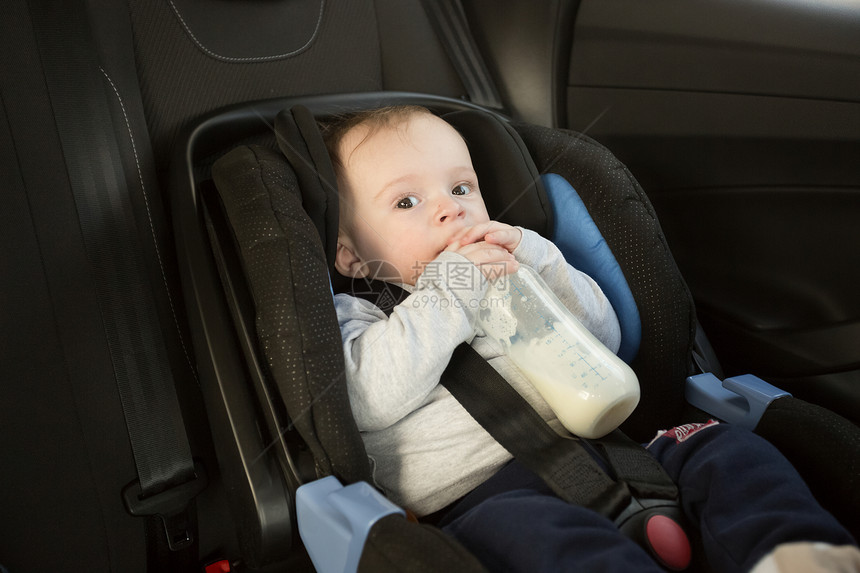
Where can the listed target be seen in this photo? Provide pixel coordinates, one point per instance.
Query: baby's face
(411, 188)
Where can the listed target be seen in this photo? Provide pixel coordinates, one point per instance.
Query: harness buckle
(658, 526)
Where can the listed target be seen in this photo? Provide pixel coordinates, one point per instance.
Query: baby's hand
(493, 260)
(489, 246)
(493, 232)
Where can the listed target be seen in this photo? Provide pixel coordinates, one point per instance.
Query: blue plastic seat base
(740, 400)
(334, 521)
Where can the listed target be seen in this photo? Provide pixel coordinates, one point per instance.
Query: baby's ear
(347, 262)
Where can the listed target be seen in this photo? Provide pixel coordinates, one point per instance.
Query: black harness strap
(563, 463)
(300, 141)
(635, 466)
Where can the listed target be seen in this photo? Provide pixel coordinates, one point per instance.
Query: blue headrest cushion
(579, 239)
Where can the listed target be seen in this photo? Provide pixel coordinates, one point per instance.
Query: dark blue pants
(745, 497)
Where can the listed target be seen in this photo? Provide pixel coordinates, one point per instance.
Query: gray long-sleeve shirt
(426, 451)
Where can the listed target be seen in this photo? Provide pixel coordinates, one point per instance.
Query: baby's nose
(449, 210)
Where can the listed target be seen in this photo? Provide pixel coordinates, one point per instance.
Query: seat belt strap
(563, 463)
(167, 477)
(449, 20)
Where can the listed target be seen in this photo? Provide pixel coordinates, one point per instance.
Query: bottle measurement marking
(567, 346)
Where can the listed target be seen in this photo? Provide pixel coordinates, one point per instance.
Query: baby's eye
(406, 202)
(461, 189)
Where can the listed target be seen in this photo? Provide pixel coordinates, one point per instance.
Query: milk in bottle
(588, 387)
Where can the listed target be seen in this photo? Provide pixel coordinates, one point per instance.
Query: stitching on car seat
(209, 52)
(151, 225)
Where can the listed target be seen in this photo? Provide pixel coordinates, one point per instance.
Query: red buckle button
(668, 542)
(222, 566)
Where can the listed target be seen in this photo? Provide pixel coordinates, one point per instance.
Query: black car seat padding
(393, 545)
(825, 449)
(287, 274)
(629, 224)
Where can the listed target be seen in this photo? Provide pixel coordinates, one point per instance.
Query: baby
(412, 214)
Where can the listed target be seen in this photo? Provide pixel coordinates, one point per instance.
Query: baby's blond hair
(335, 129)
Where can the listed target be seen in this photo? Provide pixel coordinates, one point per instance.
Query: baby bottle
(589, 388)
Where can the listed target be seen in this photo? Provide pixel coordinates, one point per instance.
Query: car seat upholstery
(194, 58)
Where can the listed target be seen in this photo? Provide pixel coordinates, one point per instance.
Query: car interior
(150, 422)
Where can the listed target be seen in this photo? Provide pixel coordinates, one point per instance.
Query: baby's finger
(507, 237)
(474, 233)
(483, 250)
(465, 237)
(492, 259)
(495, 269)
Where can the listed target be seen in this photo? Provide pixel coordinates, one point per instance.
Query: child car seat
(304, 404)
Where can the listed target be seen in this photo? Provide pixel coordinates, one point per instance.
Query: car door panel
(742, 122)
